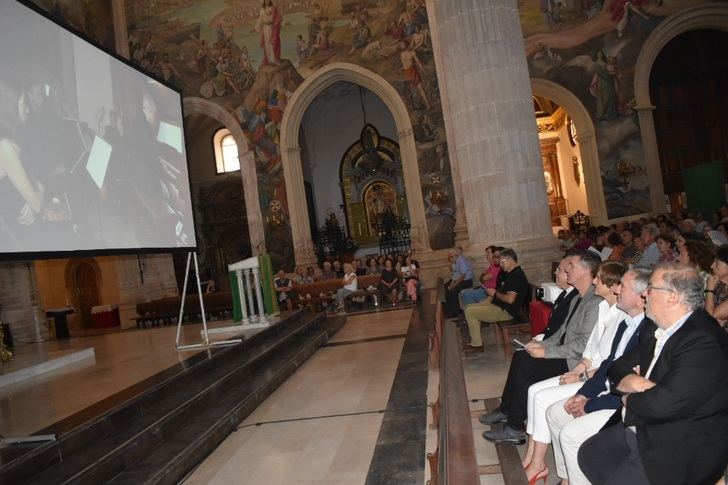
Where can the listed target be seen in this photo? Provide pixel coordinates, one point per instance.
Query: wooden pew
(454, 461)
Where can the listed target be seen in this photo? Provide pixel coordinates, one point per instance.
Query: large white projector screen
(92, 151)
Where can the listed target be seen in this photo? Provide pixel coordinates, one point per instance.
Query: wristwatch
(583, 376)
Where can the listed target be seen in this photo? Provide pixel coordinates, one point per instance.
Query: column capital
(644, 107)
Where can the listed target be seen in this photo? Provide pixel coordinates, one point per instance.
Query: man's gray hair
(651, 229)
(686, 282)
(588, 260)
(641, 279)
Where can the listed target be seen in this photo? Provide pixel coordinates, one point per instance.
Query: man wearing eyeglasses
(503, 303)
(675, 415)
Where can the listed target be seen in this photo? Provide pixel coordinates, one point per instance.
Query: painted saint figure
(269, 26)
(410, 65)
(603, 87)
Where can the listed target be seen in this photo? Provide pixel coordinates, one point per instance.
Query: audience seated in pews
(351, 285)
(572, 418)
(410, 273)
(552, 356)
(672, 427)
(546, 392)
(716, 287)
(389, 281)
(503, 303)
(284, 289)
(560, 309)
(650, 253)
(487, 279)
(328, 273)
(461, 278)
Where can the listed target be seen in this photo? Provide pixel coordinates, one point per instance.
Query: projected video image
(92, 153)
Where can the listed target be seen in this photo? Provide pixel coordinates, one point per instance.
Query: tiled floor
(321, 425)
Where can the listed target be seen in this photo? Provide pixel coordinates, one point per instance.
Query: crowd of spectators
(399, 279)
(629, 381)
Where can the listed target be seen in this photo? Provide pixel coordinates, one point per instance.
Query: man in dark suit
(562, 303)
(675, 415)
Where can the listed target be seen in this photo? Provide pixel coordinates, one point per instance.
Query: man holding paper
(551, 357)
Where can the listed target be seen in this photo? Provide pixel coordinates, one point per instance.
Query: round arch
(585, 135)
(707, 16)
(291, 151)
(193, 105)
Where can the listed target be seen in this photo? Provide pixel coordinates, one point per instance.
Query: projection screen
(92, 151)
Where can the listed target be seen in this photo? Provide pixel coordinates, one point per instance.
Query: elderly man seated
(675, 405)
(551, 357)
(461, 278)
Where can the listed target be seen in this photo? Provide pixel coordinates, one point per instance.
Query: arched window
(226, 151)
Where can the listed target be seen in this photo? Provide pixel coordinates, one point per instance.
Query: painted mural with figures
(250, 56)
(91, 17)
(591, 48)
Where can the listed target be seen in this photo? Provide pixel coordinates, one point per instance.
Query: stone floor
(332, 422)
(122, 359)
(485, 376)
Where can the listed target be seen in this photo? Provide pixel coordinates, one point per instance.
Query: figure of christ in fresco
(269, 26)
(604, 88)
(411, 67)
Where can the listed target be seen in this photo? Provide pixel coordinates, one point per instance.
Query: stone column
(493, 129)
(461, 228)
(19, 299)
(410, 171)
(298, 209)
(652, 157)
(252, 203)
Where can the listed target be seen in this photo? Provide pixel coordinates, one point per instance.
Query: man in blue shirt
(460, 279)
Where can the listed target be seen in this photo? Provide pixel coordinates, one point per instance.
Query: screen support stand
(205, 344)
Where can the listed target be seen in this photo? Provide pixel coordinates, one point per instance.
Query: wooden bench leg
(506, 342)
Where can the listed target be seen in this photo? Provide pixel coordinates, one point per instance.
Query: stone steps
(158, 436)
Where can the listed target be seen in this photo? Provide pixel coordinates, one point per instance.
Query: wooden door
(87, 294)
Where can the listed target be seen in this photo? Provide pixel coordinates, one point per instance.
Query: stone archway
(291, 152)
(585, 135)
(709, 16)
(193, 105)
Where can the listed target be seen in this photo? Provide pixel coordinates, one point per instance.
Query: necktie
(566, 323)
(617, 339)
(560, 298)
